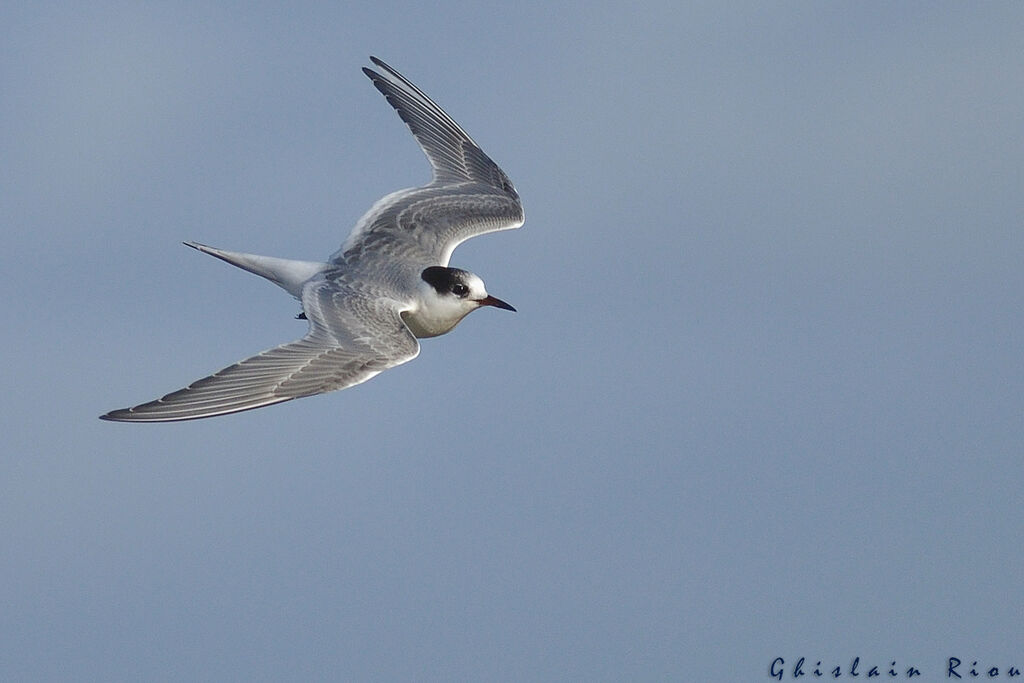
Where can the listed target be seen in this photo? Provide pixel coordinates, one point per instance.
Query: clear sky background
(763, 397)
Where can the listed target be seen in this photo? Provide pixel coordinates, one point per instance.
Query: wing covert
(469, 194)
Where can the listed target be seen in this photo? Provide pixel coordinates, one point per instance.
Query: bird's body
(388, 285)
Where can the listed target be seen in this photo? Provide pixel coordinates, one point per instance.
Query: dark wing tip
(383, 65)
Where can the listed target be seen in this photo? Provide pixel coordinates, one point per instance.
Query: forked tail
(286, 273)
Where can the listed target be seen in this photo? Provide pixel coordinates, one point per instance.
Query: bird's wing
(468, 195)
(352, 337)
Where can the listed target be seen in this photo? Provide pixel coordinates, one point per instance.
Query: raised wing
(454, 155)
(468, 195)
(352, 338)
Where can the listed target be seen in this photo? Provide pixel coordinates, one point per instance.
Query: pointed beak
(496, 302)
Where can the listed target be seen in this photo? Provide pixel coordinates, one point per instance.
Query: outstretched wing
(352, 338)
(469, 194)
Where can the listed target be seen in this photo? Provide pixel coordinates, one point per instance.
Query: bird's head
(448, 296)
(460, 289)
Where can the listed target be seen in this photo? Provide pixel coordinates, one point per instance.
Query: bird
(388, 286)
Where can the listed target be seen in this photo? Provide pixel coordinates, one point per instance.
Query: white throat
(436, 315)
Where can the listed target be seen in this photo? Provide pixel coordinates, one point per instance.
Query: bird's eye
(459, 289)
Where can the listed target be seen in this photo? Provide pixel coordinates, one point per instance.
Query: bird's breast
(424, 324)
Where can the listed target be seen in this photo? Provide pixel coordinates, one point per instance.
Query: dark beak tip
(497, 303)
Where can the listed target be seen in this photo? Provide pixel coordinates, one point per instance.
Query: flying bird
(387, 286)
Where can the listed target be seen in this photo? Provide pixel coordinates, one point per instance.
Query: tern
(387, 286)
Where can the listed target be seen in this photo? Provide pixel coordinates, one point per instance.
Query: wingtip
(129, 415)
(390, 70)
(379, 63)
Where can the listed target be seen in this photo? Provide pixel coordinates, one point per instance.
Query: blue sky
(762, 397)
